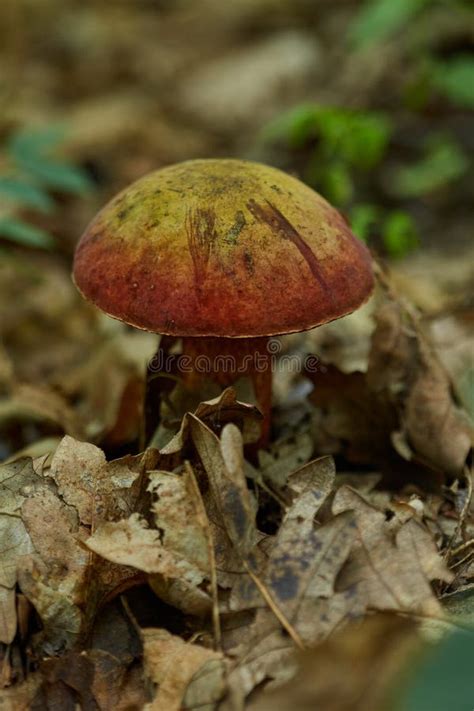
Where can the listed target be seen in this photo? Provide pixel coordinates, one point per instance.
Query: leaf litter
(258, 566)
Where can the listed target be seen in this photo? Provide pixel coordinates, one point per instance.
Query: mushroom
(223, 254)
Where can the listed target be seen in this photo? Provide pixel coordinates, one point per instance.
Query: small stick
(274, 608)
(202, 515)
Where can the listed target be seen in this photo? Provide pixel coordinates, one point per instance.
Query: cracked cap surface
(222, 248)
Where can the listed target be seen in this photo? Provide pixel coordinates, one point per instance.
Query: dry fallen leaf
(391, 572)
(176, 517)
(181, 516)
(92, 679)
(19, 697)
(405, 372)
(223, 461)
(306, 597)
(17, 481)
(132, 542)
(283, 457)
(355, 670)
(298, 577)
(177, 561)
(40, 404)
(349, 419)
(45, 517)
(187, 675)
(294, 554)
(403, 404)
(53, 578)
(109, 385)
(46, 560)
(96, 488)
(215, 414)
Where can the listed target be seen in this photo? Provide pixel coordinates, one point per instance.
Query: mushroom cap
(226, 248)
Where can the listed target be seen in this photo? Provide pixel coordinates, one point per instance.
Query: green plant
(455, 79)
(345, 152)
(378, 20)
(30, 173)
(442, 162)
(452, 78)
(345, 147)
(347, 140)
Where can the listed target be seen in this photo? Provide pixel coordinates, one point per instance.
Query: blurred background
(370, 102)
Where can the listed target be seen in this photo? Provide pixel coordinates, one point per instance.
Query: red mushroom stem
(226, 360)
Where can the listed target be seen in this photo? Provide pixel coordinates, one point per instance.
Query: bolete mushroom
(223, 254)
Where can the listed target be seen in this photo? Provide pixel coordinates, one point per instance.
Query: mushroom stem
(226, 360)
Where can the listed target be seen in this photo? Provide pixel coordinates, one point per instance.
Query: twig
(459, 563)
(216, 623)
(461, 525)
(274, 608)
(461, 548)
(279, 499)
(467, 503)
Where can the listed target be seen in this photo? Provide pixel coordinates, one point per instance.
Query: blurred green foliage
(356, 137)
(444, 679)
(381, 20)
(455, 79)
(345, 149)
(357, 158)
(442, 163)
(31, 172)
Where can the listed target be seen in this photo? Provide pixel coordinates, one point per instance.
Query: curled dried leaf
(224, 465)
(391, 574)
(215, 413)
(187, 675)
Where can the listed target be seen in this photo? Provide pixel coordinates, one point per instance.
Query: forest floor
(146, 562)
